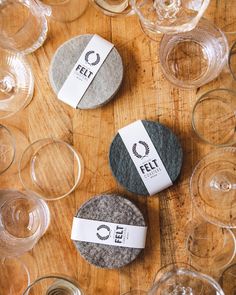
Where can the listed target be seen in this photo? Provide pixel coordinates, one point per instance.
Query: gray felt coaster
(106, 82)
(168, 147)
(109, 208)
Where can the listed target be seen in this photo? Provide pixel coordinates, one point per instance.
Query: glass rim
(13, 144)
(51, 276)
(183, 28)
(201, 212)
(193, 112)
(229, 59)
(77, 156)
(183, 271)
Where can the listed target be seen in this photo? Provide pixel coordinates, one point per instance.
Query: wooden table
(145, 94)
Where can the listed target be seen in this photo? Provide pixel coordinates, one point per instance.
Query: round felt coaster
(168, 147)
(115, 209)
(104, 85)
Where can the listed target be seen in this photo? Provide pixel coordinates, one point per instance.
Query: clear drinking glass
(192, 59)
(52, 285)
(113, 7)
(183, 281)
(66, 10)
(14, 276)
(23, 220)
(214, 117)
(16, 83)
(50, 168)
(23, 24)
(213, 187)
(228, 280)
(210, 247)
(169, 16)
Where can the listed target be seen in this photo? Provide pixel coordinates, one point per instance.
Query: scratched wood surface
(145, 94)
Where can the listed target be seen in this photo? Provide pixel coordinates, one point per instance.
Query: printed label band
(114, 234)
(145, 157)
(84, 70)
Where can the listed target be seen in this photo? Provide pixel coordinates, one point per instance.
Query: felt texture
(106, 82)
(109, 208)
(168, 147)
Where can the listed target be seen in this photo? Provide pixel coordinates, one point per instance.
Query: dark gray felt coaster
(168, 147)
(109, 208)
(106, 82)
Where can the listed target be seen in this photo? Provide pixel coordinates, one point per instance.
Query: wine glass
(192, 59)
(213, 187)
(210, 247)
(53, 284)
(113, 7)
(168, 16)
(175, 280)
(214, 117)
(16, 83)
(50, 168)
(23, 24)
(24, 219)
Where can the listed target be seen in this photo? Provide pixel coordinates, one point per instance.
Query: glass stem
(7, 85)
(167, 8)
(222, 184)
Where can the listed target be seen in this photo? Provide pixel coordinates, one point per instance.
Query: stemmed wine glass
(16, 83)
(168, 16)
(174, 280)
(213, 187)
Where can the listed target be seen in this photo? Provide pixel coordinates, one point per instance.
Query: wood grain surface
(145, 94)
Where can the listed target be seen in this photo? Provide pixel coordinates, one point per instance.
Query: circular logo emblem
(103, 232)
(92, 58)
(140, 149)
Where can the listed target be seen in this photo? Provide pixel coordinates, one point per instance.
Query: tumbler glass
(16, 83)
(192, 59)
(53, 284)
(14, 276)
(169, 16)
(23, 24)
(210, 247)
(213, 187)
(214, 117)
(50, 168)
(113, 7)
(66, 10)
(181, 281)
(23, 220)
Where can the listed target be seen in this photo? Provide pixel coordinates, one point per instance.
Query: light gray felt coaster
(168, 147)
(109, 208)
(106, 82)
